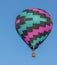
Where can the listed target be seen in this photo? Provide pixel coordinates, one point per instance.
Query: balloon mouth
(33, 49)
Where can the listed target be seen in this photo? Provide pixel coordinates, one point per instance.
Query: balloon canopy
(33, 25)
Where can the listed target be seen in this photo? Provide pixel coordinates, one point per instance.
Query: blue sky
(13, 50)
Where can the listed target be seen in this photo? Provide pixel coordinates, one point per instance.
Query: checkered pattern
(33, 25)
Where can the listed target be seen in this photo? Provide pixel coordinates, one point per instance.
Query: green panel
(23, 27)
(38, 40)
(29, 15)
(27, 24)
(36, 20)
(43, 19)
(23, 14)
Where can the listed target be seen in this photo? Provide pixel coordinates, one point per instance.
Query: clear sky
(13, 50)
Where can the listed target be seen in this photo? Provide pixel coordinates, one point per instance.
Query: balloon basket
(33, 54)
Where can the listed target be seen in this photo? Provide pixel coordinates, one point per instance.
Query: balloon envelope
(33, 25)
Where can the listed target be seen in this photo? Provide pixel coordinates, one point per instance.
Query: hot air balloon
(33, 25)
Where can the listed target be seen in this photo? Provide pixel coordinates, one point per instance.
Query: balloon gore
(33, 25)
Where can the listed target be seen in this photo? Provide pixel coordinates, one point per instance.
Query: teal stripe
(43, 19)
(23, 14)
(38, 40)
(29, 15)
(28, 24)
(35, 17)
(36, 20)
